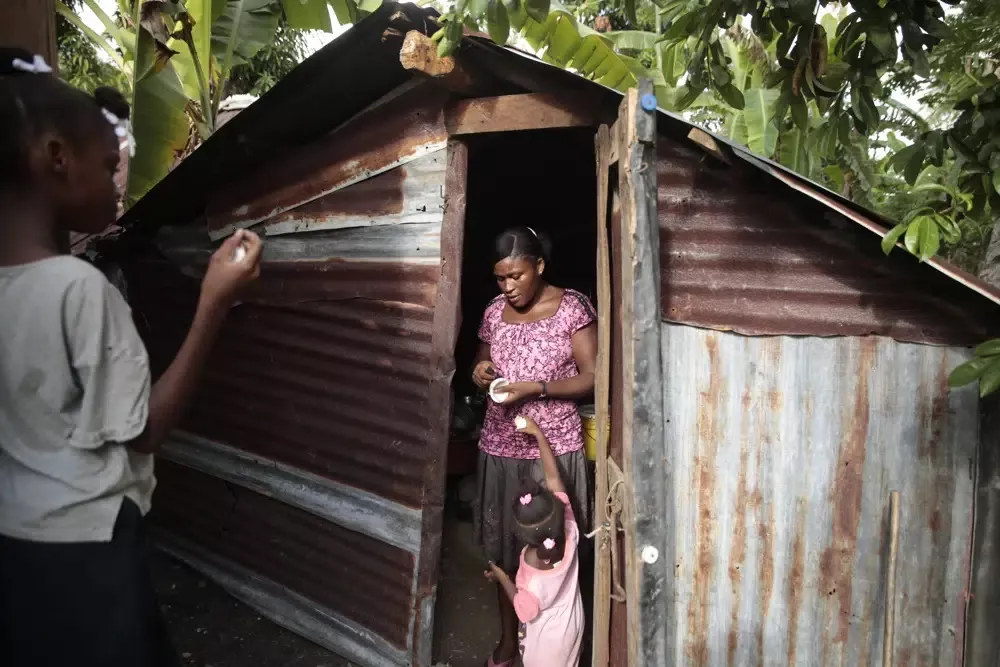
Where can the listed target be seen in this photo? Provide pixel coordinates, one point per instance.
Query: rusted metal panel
(420, 243)
(397, 132)
(330, 374)
(346, 506)
(364, 580)
(285, 606)
(410, 193)
(783, 451)
(742, 253)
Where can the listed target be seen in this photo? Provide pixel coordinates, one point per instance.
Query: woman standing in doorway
(542, 339)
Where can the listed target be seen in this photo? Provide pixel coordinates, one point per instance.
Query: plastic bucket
(589, 419)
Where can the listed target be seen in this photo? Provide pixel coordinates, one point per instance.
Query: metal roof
(356, 69)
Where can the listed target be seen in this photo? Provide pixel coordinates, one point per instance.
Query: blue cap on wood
(648, 102)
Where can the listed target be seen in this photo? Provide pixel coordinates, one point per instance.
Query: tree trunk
(990, 270)
(30, 25)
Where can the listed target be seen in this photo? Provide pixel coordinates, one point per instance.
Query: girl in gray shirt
(79, 415)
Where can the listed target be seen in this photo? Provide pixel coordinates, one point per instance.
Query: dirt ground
(212, 629)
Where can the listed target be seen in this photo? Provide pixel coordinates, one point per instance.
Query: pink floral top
(539, 351)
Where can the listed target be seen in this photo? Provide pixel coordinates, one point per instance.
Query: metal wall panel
(396, 132)
(309, 474)
(744, 253)
(329, 375)
(363, 579)
(782, 453)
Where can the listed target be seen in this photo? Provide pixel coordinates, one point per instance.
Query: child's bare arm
(553, 479)
(172, 392)
(502, 578)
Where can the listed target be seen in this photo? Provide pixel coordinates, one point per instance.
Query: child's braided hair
(34, 101)
(541, 521)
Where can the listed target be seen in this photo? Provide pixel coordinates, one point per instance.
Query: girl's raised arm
(553, 480)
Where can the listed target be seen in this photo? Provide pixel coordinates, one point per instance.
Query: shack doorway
(542, 179)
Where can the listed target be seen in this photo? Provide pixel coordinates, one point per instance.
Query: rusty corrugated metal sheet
(410, 193)
(365, 580)
(404, 128)
(189, 247)
(738, 252)
(783, 451)
(329, 376)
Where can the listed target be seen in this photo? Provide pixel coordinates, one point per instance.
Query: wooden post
(604, 541)
(890, 585)
(30, 25)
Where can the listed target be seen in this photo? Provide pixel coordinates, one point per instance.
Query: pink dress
(549, 605)
(539, 351)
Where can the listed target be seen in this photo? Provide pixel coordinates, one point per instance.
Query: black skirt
(82, 604)
(499, 479)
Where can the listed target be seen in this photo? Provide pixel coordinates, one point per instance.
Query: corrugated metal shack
(770, 376)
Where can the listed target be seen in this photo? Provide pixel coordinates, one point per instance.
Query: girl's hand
(483, 374)
(226, 276)
(530, 427)
(495, 574)
(519, 391)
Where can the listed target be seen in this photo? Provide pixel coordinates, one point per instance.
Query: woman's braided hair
(34, 101)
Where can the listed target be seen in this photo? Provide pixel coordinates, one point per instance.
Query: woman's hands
(519, 391)
(483, 374)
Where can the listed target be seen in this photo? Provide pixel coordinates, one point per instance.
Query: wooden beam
(604, 541)
(30, 25)
(513, 113)
(419, 55)
(705, 140)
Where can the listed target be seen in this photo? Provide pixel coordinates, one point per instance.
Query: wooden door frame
(631, 143)
(444, 338)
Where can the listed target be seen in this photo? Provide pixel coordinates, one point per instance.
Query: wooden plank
(444, 336)
(30, 25)
(642, 429)
(513, 113)
(602, 563)
(705, 140)
(613, 148)
(419, 54)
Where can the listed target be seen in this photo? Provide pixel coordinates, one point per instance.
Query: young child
(79, 416)
(547, 593)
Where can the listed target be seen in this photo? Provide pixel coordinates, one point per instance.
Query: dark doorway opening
(544, 180)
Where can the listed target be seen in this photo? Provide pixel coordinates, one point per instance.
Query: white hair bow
(123, 130)
(36, 66)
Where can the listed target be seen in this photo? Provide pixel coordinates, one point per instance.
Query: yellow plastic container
(589, 419)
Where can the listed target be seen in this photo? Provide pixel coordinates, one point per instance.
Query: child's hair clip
(549, 543)
(526, 499)
(36, 66)
(122, 130)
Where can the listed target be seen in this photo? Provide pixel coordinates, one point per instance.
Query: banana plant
(178, 56)
(552, 31)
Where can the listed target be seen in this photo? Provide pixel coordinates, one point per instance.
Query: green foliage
(270, 64)
(180, 58)
(79, 64)
(984, 368)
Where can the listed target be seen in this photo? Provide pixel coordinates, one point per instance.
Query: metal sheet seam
(286, 607)
(306, 225)
(352, 508)
(418, 152)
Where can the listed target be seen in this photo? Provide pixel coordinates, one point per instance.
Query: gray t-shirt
(74, 386)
